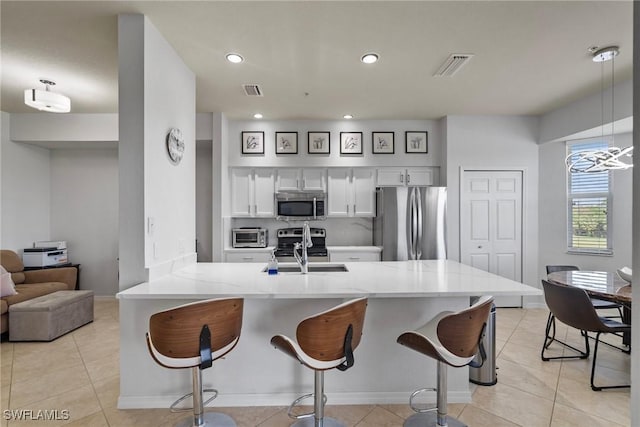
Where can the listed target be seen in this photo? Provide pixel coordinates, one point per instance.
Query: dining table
(603, 285)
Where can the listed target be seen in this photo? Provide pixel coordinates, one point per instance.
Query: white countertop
(390, 279)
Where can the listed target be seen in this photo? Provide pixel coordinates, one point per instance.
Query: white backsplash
(340, 231)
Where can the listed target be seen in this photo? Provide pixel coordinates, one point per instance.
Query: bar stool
(193, 336)
(325, 341)
(452, 339)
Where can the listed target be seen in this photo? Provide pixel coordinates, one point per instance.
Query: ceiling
(529, 57)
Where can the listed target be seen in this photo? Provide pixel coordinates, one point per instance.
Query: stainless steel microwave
(301, 205)
(249, 237)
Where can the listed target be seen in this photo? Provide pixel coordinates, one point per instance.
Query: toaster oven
(249, 237)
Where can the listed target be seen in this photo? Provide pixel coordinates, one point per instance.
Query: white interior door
(491, 225)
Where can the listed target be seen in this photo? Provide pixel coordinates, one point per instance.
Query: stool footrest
(421, 410)
(297, 402)
(173, 408)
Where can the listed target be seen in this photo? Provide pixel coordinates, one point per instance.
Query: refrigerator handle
(420, 214)
(413, 224)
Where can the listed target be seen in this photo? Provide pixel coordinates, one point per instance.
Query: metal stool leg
(439, 417)
(201, 418)
(318, 419)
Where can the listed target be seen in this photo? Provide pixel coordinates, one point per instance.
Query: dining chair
(572, 306)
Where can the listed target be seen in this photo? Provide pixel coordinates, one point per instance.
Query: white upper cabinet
(252, 192)
(351, 192)
(398, 177)
(310, 179)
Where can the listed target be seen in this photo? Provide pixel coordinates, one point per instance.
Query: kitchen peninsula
(402, 295)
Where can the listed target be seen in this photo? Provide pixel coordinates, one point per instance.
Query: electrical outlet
(151, 223)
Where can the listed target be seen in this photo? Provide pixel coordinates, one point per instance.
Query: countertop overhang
(389, 279)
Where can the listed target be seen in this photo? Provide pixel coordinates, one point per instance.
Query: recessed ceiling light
(369, 58)
(257, 116)
(348, 116)
(235, 58)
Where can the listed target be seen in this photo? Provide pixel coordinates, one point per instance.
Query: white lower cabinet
(353, 256)
(248, 256)
(351, 192)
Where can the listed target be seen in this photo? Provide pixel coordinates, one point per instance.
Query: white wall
(170, 102)
(586, 113)
(34, 127)
(553, 213)
(25, 192)
(399, 158)
(204, 201)
(156, 93)
(635, 361)
(84, 212)
(494, 142)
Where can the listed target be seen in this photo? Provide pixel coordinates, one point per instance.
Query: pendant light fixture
(613, 158)
(45, 100)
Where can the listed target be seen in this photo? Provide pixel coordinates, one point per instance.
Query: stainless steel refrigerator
(410, 223)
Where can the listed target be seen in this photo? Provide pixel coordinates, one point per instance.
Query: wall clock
(175, 145)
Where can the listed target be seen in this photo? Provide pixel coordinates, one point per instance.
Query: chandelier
(612, 158)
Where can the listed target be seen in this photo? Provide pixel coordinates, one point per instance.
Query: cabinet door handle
(255, 209)
(347, 209)
(304, 183)
(249, 209)
(401, 177)
(408, 178)
(354, 209)
(297, 183)
(354, 257)
(247, 258)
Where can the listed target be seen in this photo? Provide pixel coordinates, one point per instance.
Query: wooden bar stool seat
(452, 338)
(324, 341)
(193, 336)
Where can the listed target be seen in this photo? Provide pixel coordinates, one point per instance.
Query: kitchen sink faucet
(303, 260)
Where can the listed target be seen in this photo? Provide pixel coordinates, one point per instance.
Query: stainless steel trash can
(486, 374)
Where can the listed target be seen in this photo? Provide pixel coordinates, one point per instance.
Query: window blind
(589, 201)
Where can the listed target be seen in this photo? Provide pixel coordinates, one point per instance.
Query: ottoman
(47, 317)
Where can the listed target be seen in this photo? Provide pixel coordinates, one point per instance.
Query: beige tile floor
(79, 372)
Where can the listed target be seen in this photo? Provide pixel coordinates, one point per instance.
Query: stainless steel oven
(249, 237)
(301, 205)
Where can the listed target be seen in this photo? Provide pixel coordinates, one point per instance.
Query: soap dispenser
(272, 266)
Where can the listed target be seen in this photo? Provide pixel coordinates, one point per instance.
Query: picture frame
(382, 142)
(286, 142)
(416, 142)
(318, 142)
(350, 142)
(252, 142)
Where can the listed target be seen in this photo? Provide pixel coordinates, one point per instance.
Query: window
(589, 204)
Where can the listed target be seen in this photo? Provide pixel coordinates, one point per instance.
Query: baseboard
(285, 399)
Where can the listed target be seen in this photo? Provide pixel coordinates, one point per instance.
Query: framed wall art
(350, 142)
(286, 142)
(416, 142)
(382, 142)
(253, 142)
(319, 142)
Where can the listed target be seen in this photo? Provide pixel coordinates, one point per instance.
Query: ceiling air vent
(252, 90)
(453, 64)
